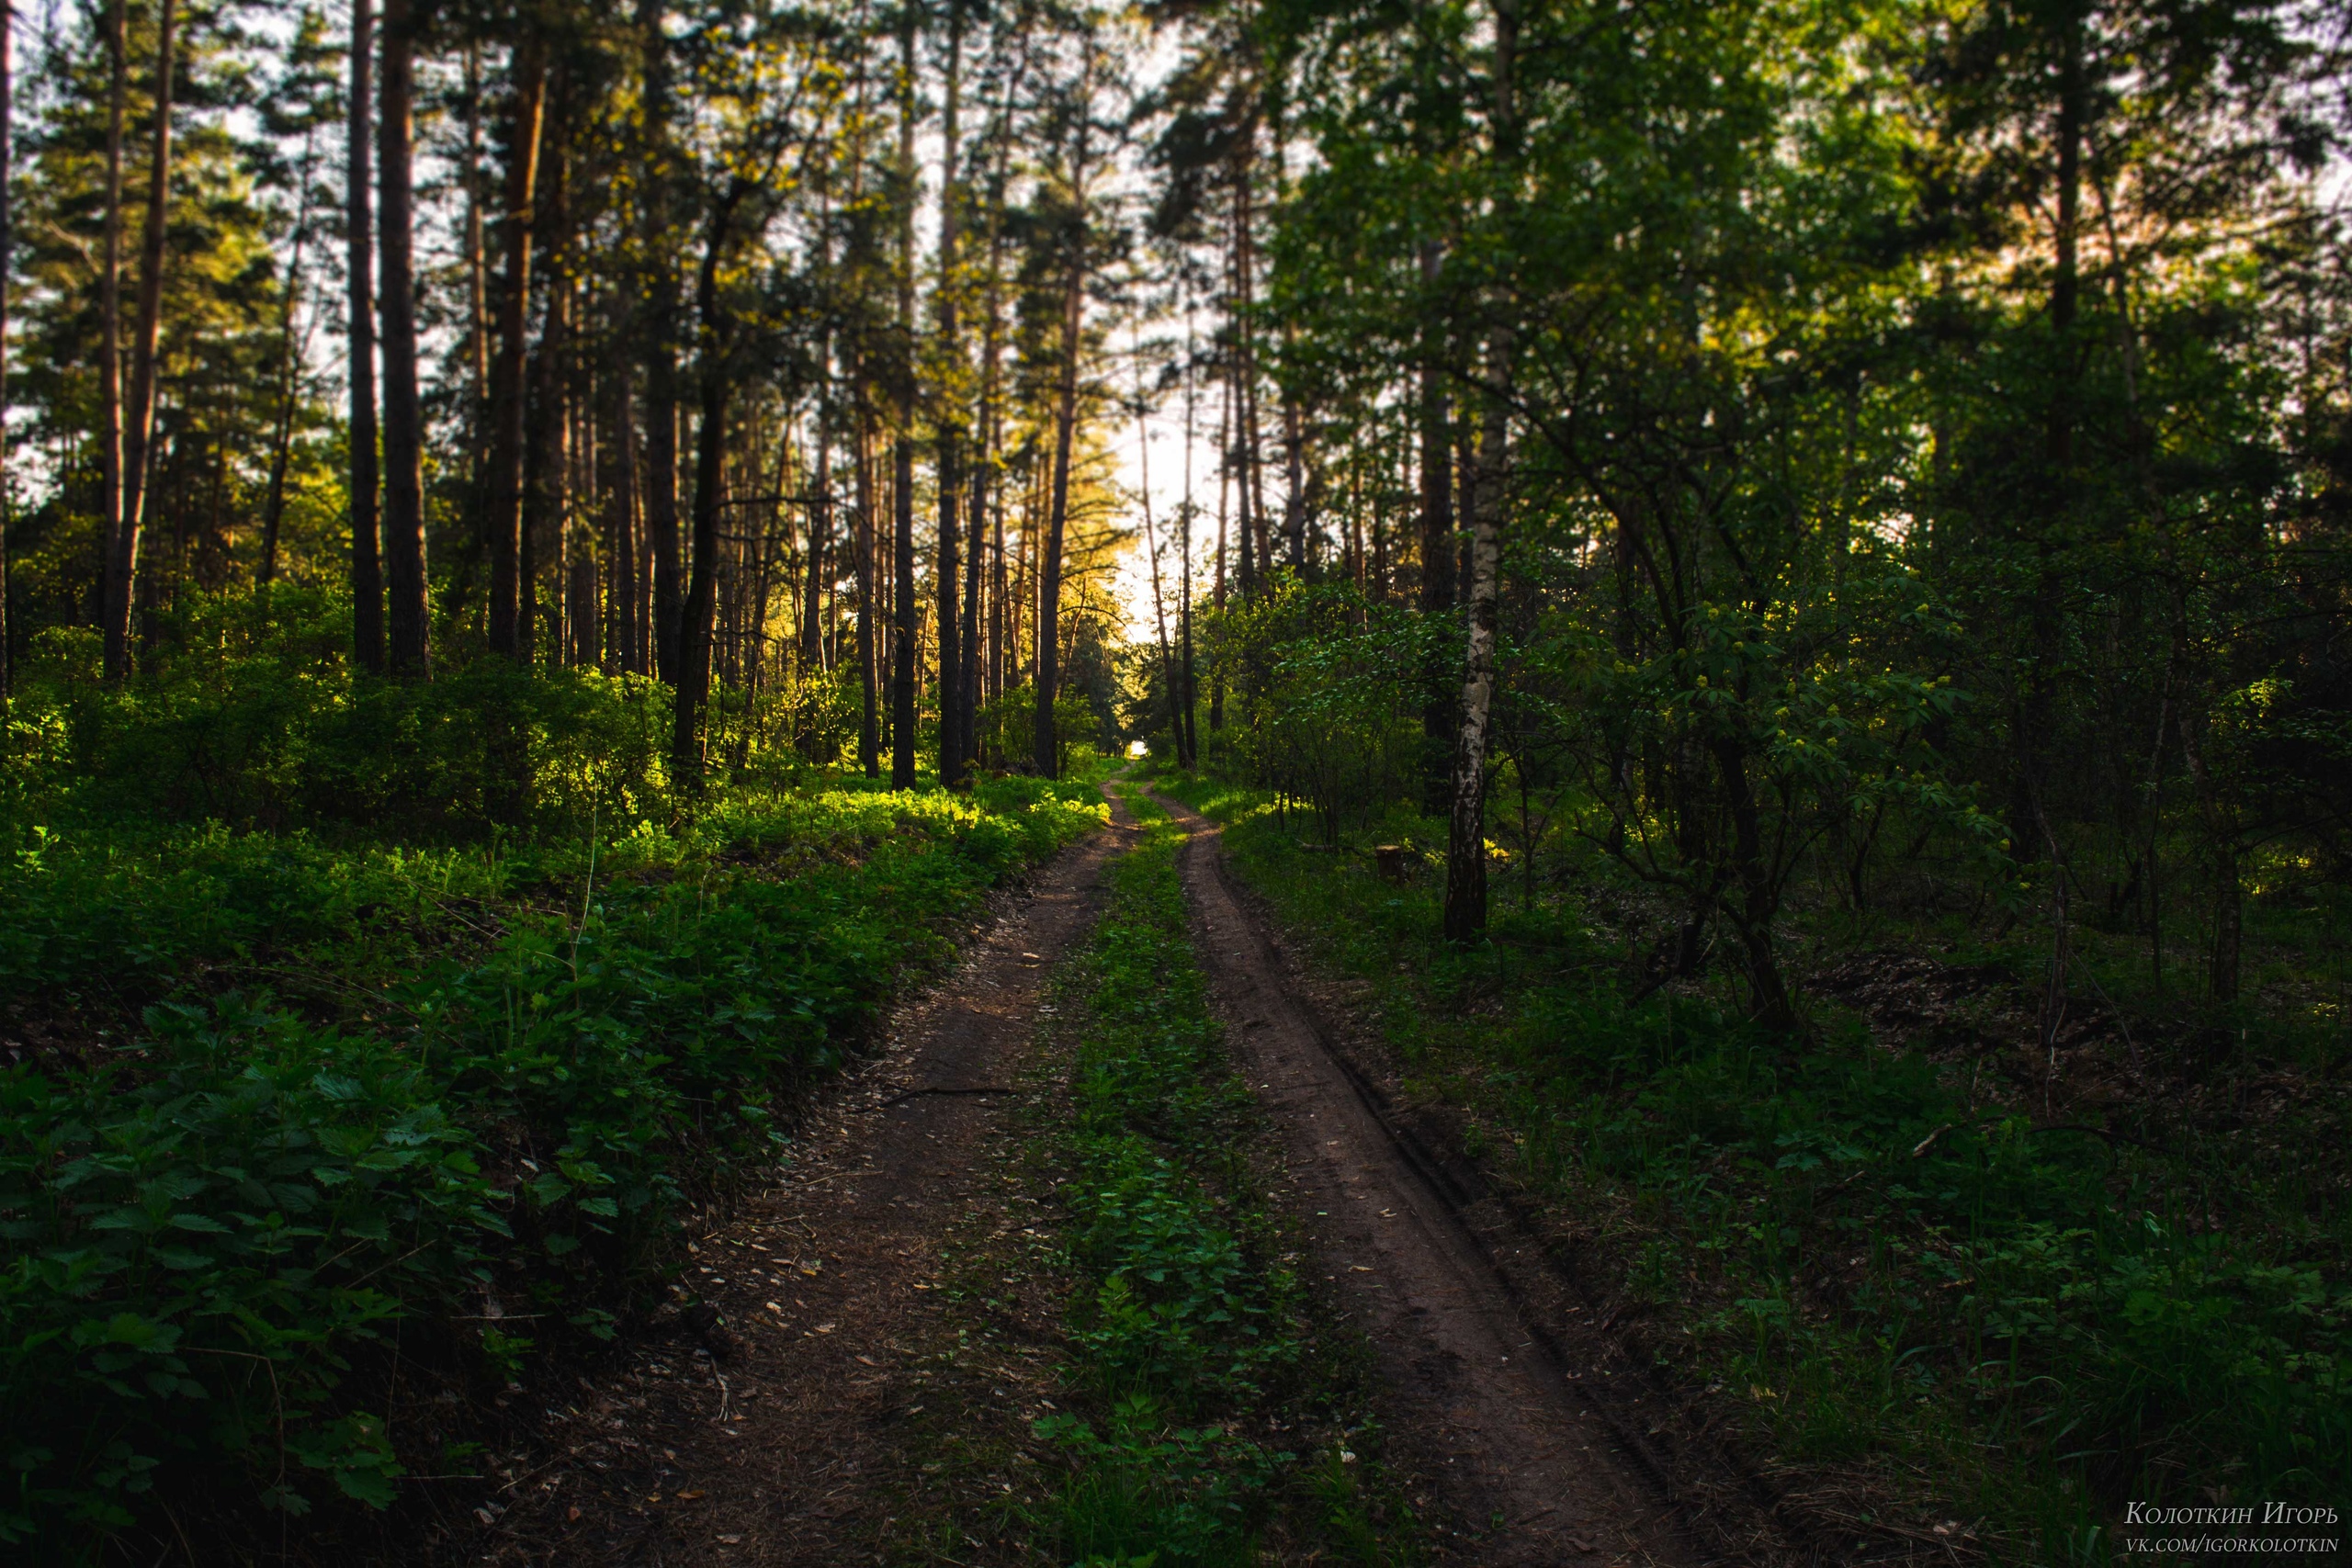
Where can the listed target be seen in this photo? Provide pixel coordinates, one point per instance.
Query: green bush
(318, 1091)
(255, 717)
(2047, 1318)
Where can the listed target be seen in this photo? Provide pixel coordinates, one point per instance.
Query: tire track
(1532, 1475)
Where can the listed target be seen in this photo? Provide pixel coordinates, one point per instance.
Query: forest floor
(875, 1354)
(790, 1407)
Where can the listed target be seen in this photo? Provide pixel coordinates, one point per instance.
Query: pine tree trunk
(410, 652)
(902, 452)
(710, 447)
(968, 678)
(289, 378)
(998, 623)
(869, 738)
(1216, 585)
(1047, 757)
(506, 521)
(367, 565)
(138, 425)
(947, 587)
(819, 570)
(1438, 705)
(1294, 471)
(2036, 717)
(110, 301)
(902, 613)
(1239, 454)
(620, 520)
(950, 422)
(8, 259)
(660, 352)
(547, 500)
(988, 509)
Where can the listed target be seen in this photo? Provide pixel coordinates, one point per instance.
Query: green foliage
(256, 720)
(297, 1094)
(1331, 680)
(1188, 1322)
(1840, 1237)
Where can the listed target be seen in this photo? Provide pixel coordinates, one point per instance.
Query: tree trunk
(2037, 713)
(110, 300)
(289, 377)
(869, 738)
(902, 613)
(505, 521)
(366, 565)
(1294, 472)
(1151, 553)
(1216, 587)
(1767, 994)
(620, 520)
(968, 677)
(1046, 736)
(1465, 856)
(410, 652)
(547, 499)
(819, 569)
(1438, 590)
(8, 259)
(661, 350)
(1239, 454)
(951, 658)
(710, 448)
(139, 427)
(2221, 835)
(1047, 757)
(1257, 541)
(902, 452)
(949, 418)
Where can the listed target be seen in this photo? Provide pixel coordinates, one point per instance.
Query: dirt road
(771, 1430)
(1472, 1397)
(808, 1410)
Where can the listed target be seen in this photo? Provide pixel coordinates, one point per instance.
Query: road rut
(1529, 1470)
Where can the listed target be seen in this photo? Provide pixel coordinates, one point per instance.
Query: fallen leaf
(689, 1496)
(825, 1327)
(867, 1360)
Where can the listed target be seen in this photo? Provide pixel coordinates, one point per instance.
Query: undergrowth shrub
(283, 1096)
(252, 716)
(1881, 1267)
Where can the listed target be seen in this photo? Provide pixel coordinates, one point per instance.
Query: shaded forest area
(1770, 577)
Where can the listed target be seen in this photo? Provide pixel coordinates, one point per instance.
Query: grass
(1907, 1286)
(292, 1119)
(1213, 1421)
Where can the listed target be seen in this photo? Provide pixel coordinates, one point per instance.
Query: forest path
(771, 1441)
(1474, 1400)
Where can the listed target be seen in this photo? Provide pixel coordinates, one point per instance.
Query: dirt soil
(780, 1405)
(820, 1397)
(1475, 1399)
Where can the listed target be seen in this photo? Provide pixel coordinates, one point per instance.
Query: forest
(652, 656)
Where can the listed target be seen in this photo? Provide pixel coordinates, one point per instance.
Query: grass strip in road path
(1205, 1409)
(1215, 1416)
